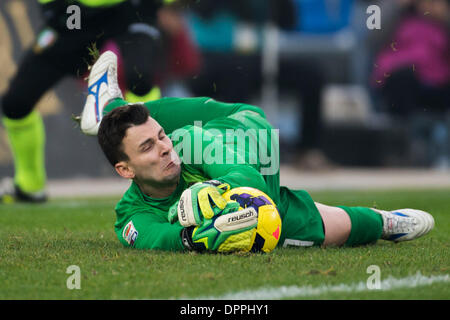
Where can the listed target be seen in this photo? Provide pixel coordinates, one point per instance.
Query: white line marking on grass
(282, 292)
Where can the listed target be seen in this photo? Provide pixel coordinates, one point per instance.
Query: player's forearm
(244, 176)
(243, 106)
(141, 232)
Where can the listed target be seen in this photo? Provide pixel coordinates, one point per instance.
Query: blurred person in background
(411, 72)
(229, 34)
(128, 28)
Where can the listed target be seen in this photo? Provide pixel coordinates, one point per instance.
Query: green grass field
(39, 242)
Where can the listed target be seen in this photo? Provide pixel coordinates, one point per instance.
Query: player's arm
(213, 177)
(175, 113)
(144, 231)
(230, 167)
(239, 175)
(233, 170)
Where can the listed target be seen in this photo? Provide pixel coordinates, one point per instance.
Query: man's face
(152, 159)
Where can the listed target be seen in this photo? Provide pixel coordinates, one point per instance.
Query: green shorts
(301, 221)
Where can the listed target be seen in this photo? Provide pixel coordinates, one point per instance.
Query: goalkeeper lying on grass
(180, 170)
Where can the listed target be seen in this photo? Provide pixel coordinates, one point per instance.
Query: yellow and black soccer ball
(268, 230)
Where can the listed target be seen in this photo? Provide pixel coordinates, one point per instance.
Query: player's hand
(231, 231)
(200, 201)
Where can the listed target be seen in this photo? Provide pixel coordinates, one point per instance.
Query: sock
(130, 97)
(27, 141)
(367, 225)
(153, 94)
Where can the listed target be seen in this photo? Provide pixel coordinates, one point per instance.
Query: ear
(124, 170)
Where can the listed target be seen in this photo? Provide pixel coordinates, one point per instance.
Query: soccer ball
(268, 230)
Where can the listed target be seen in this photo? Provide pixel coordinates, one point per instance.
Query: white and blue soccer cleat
(102, 87)
(405, 224)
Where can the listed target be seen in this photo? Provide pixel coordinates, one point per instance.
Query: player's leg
(142, 52)
(360, 225)
(336, 223)
(53, 55)
(25, 128)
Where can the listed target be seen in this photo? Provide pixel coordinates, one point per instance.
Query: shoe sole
(107, 62)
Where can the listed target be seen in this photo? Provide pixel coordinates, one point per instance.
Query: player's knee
(336, 223)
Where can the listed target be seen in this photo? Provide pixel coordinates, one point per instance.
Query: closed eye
(162, 134)
(146, 145)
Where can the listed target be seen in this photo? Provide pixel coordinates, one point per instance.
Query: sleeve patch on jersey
(130, 233)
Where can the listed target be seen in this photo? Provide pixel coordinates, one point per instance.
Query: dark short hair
(113, 129)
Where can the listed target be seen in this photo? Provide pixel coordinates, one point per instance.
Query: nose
(165, 147)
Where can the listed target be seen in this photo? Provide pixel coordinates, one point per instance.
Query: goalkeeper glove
(231, 230)
(202, 200)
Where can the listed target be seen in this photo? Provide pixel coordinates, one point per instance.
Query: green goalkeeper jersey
(141, 220)
(232, 143)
